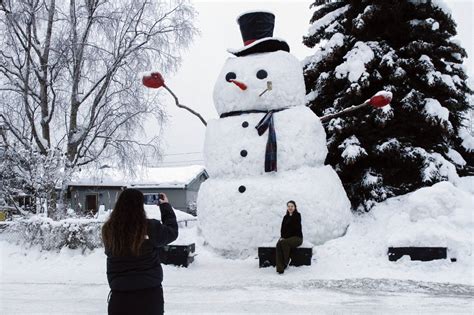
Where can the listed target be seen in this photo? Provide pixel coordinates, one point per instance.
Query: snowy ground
(350, 274)
(68, 282)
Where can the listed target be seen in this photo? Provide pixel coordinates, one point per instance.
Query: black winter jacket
(291, 225)
(141, 272)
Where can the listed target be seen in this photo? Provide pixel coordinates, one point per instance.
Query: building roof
(144, 177)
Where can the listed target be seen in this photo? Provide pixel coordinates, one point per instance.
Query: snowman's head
(242, 80)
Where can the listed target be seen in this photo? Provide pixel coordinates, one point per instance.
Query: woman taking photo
(131, 243)
(291, 236)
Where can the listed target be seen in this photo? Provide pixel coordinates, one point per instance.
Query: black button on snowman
(241, 204)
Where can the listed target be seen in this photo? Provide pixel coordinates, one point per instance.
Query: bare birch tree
(69, 86)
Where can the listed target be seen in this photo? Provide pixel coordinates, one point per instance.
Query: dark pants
(142, 302)
(283, 248)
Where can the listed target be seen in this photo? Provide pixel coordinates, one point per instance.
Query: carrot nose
(241, 85)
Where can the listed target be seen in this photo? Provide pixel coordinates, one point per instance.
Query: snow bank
(440, 215)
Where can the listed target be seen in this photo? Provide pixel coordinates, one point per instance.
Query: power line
(186, 161)
(183, 153)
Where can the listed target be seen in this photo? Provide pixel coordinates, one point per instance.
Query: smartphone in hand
(162, 198)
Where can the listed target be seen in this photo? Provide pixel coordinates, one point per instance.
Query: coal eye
(230, 76)
(262, 74)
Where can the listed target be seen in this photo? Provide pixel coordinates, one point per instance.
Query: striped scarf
(265, 123)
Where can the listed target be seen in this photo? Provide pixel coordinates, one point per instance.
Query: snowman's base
(178, 255)
(418, 253)
(300, 256)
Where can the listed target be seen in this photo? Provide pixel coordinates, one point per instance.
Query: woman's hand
(162, 198)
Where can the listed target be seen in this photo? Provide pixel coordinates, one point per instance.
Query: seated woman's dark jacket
(291, 225)
(129, 273)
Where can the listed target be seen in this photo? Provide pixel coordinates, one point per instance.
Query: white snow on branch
(388, 145)
(337, 40)
(455, 157)
(436, 165)
(384, 114)
(467, 139)
(331, 28)
(387, 59)
(351, 150)
(426, 59)
(435, 109)
(356, 59)
(434, 76)
(359, 22)
(311, 96)
(326, 20)
(370, 179)
(428, 22)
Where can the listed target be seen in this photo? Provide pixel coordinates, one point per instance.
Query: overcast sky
(194, 81)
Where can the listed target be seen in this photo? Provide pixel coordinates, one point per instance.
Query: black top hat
(257, 33)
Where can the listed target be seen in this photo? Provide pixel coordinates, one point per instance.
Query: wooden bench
(178, 255)
(300, 256)
(418, 253)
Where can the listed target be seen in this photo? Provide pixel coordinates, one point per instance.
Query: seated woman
(291, 236)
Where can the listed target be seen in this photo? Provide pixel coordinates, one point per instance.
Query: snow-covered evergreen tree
(405, 47)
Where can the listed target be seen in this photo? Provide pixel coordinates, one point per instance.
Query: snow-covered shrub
(54, 235)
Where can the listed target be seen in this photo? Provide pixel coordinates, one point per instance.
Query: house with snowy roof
(89, 189)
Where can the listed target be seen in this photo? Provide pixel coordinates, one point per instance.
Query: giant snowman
(266, 148)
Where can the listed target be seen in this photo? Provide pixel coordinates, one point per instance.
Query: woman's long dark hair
(126, 228)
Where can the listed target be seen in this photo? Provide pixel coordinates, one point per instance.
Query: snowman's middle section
(234, 148)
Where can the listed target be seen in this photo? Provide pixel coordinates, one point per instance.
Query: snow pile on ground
(441, 215)
(212, 284)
